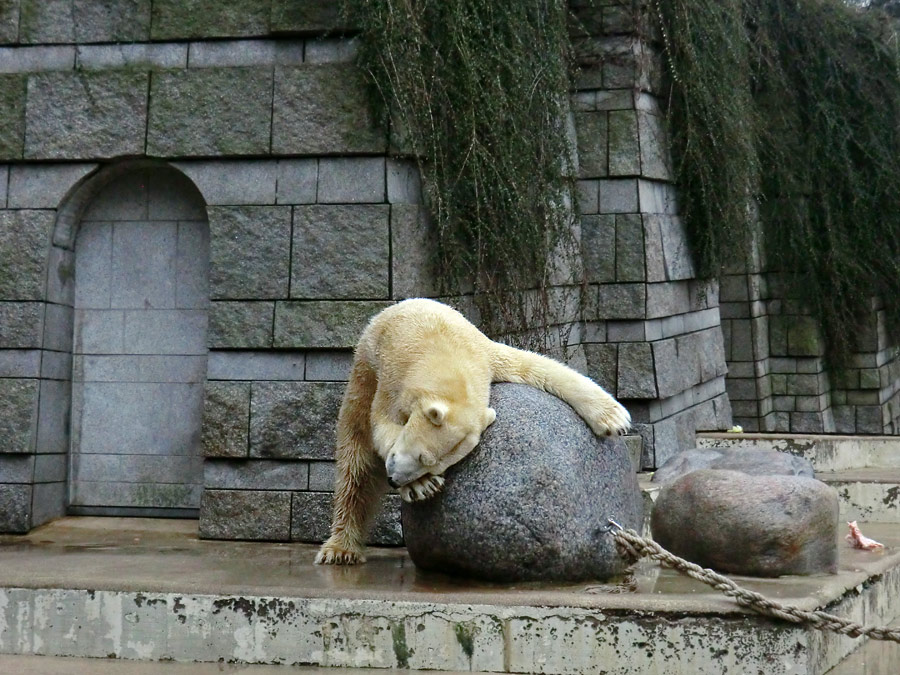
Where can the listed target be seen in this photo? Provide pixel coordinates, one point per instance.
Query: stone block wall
(313, 228)
(779, 379)
(654, 337)
(315, 224)
(35, 364)
(298, 265)
(866, 393)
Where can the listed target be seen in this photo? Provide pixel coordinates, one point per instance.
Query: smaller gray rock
(747, 460)
(685, 462)
(756, 525)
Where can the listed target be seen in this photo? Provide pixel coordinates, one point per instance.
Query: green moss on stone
(179, 19)
(119, 21)
(12, 116)
(401, 650)
(310, 16)
(624, 147)
(322, 324)
(465, 636)
(324, 109)
(46, 21)
(74, 115)
(210, 111)
(804, 338)
(240, 325)
(9, 21)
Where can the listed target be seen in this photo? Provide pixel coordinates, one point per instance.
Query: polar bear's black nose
(393, 483)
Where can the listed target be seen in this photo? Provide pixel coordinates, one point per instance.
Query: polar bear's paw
(422, 488)
(608, 418)
(333, 553)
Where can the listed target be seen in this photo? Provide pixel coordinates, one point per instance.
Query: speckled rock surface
(751, 461)
(531, 500)
(756, 525)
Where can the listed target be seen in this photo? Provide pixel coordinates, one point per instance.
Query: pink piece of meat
(858, 540)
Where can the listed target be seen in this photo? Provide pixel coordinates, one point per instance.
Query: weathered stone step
(869, 494)
(826, 452)
(150, 590)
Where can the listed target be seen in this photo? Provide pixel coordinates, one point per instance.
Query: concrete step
(869, 494)
(826, 452)
(151, 591)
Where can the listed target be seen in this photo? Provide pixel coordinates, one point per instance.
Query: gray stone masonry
(250, 251)
(314, 227)
(85, 115)
(311, 115)
(342, 251)
(300, 246)
(239, 124)
(115, 100)
(655, 340)
(778, 378)
(294, 419)
(85, 21)
(23, 248)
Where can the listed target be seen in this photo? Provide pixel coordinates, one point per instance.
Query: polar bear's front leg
(360, 478)
(603, 414)
(355, 501)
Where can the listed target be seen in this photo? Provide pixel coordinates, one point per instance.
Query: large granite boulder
(747, 460)
(756, 525)
(531, 501)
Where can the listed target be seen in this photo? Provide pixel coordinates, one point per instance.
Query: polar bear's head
(436, 435)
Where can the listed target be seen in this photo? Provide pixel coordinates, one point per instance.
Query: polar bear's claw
(334, 554)
(422, 488)
(610, 419)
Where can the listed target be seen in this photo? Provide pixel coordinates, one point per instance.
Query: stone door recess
(139, 350)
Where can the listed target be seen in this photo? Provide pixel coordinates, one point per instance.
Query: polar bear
(417, 403)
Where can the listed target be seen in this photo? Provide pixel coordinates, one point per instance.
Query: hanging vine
(785, 116)
(477, 91)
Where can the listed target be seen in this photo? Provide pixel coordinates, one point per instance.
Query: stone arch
(128, 274)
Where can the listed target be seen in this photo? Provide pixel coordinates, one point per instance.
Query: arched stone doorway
(139, 347)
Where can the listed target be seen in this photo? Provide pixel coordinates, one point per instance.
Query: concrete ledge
(826, 452)
(105, 587)
(871, 494)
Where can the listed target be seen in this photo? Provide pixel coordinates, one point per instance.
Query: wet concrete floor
(132, 554)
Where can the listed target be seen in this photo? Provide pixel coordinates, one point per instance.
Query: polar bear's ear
(490, 415)
(436, 413)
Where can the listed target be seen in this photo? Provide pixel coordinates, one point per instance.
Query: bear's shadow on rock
(532, 501)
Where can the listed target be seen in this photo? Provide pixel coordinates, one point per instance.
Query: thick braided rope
(634, 547)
